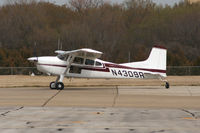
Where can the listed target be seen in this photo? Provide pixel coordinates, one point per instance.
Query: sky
(62, 2)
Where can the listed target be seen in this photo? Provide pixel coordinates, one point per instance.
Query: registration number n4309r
(127, 73)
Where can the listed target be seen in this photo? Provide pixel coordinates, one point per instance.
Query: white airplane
(84, 63)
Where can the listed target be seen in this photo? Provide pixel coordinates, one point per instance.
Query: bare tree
(80, 5)
(12, 2)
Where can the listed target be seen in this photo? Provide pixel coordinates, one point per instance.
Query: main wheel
(52, 85)
(59, 86)
(166, 85)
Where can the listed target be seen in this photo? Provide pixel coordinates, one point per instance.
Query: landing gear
(167, 85)
(57, 85)
(52, 85)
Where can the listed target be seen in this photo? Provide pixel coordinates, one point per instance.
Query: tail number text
(125, 73)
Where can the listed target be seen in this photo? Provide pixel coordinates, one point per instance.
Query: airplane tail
(156, 62)
(157, 58)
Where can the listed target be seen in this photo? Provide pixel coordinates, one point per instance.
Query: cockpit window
(98, 63)
(78, 60)
(63, 57)
(89, 62)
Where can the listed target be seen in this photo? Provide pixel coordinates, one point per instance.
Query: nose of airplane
(33, 59)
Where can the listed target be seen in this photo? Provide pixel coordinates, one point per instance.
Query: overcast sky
(61, 2)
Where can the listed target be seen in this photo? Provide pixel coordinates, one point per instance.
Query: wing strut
(58, 84)
(70, 60)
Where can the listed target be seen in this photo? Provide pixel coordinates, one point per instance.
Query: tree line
(28, 27)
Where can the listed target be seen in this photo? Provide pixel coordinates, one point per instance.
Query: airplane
(84, 63)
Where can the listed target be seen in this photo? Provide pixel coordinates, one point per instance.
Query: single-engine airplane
(84, 63)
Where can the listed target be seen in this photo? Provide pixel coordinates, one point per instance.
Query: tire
(52, 85)
(167, 85)
(59, 86)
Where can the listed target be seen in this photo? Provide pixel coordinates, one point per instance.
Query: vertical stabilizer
(156, 61)
(157, 58)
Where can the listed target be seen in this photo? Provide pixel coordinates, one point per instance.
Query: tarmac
(114, 109)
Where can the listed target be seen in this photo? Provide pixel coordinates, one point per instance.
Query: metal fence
(183, 70)
(19, 71)
(171, 70)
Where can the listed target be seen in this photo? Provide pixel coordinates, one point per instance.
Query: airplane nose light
(33, 59)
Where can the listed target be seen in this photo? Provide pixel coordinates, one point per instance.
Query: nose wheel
(57, 86)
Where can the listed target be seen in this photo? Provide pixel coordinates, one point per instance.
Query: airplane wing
(85, 52)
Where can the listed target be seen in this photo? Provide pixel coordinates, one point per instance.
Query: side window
(89, 62)
(78, 60)
(98, 63)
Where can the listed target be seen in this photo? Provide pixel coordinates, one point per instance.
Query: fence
(183, 70)
(171, 70)
(19, 71)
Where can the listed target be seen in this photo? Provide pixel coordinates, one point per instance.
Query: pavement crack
(19, 108)
(160, 131)
(5, 113)
(115, 96)
(192, 114)
(48, 100)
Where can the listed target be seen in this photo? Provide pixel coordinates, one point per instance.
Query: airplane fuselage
(55, 66)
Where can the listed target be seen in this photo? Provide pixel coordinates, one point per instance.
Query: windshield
(63, 57)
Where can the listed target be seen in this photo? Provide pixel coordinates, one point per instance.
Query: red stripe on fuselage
(97, 69)
(107, 66)
(82, 67)
(126, 67)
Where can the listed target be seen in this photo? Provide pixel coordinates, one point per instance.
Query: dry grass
(26, 81)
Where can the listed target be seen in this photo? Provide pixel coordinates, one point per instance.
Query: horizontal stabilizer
(153, 76)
